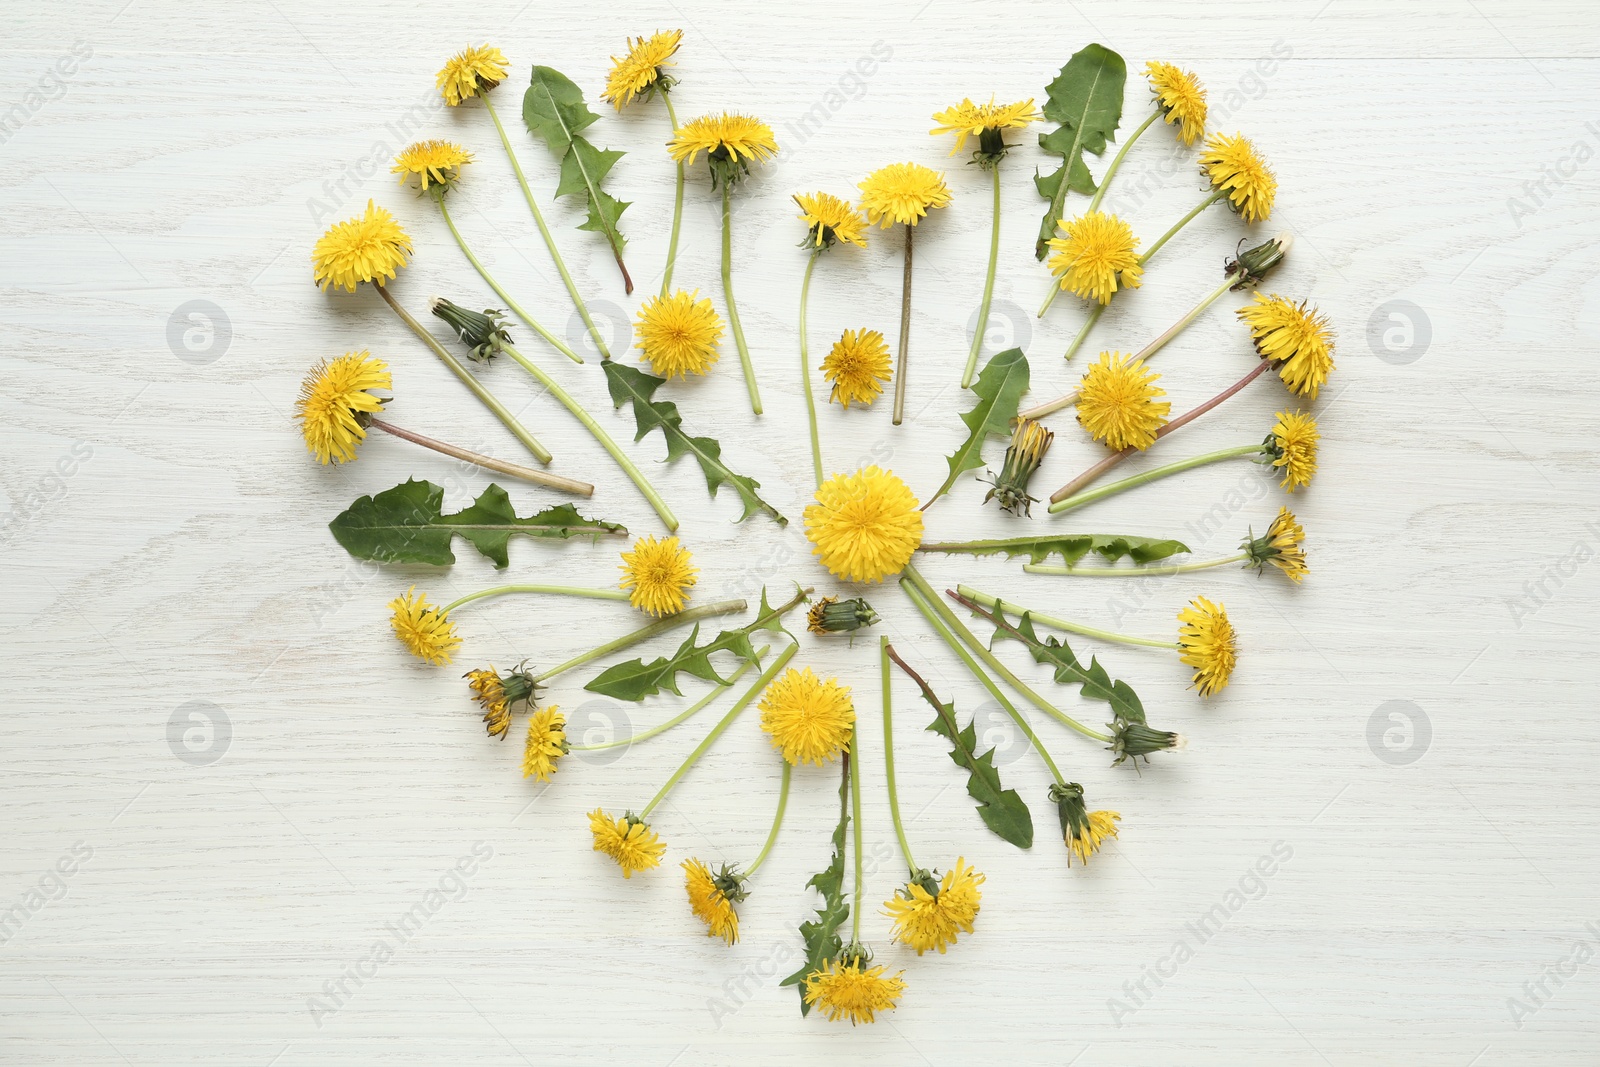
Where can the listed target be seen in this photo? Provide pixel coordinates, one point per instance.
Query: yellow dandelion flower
(1206, 643)
(810, 719)
(1232, 166)
(828, 219)
(1087, 838)
(1181, 98)
(927, 918)
(902, 192)
(363, 249)
(643, 69)
(1294, 336)
(1117, 402)
(490, 693)
(726, 138)
(864, 526)
(679, 334)
(1293, 446)
(985, 122)
(471, 72)
(712, 897)
(547, 743)
(333, 399)
(423, 628)
(851, 990)
(658, 575)
(1098, 256)
(1283, 547)
(437, 161)
(857, 365)
(628, 840)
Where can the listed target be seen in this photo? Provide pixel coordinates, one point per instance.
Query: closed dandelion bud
(1251, 265)
(830, 615)
(1135, 739)
(1029, 442)
(482, 332)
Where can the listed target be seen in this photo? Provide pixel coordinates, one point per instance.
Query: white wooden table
(1412, 728)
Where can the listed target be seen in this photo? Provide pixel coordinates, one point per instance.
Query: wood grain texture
(166, 543)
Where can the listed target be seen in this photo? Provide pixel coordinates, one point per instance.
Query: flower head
(987, 122)
(1181, 98)
(829, 219)
(847, 988)
(730, 141)
(1098, 256)
(363, 249)
(1293, 336)
(712, 897)
(437, 161)
(1029, 442)
(1232, 166)
(1282, 546)
(1083, 830)
(471, 72)
(902, 192)
(483, 332)
(1132, 739)
(857, 365)
(1206, 643)
(929, 913)
(658, 575)
(810, 719)
(1117, 402)
(1292, 444)
(547, 743)
(628, 840)
(679, 334)
(335, 403)
(643, 70)
(830, 615)
(423, 628)
(497, 694)
(864, 526)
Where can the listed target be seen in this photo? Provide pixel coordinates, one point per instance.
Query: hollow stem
(854, 756)
(677, 207)
(979, 597)
(905, 334)
(733, 308)
(777, 821)
(805, 369)
(988, 286)
(644, 633)
(1089, 496)
(1083, 333)
(468, 379)
(1133, 572)
(1116, 163)
(483, 272)
(544, 231)
(888, 753)
(552, 590)
(515, 470)
(682, 716)
(1180, 224)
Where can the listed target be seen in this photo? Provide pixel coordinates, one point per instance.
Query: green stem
(905, 334)
(599, 434)
(644, 633)
(888, 753)
(1116, 164)
(544, 231)
(988, 287)
(1089, 496)
(985, 599)
(1083, 333)
(677, 207)
(1180, 224)
(805, 369)
(469, 380)
(516, 308)
(1133, 572)
(733, 308)
(855, 816)
(682, 716)
(727, 720)
(777, 820)
(553, 590)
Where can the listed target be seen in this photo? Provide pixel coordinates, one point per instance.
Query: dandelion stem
(682, 716)
(988, 285)
(986, 600)
(677, 206)
(854, 756)
(733, 309)
(905, 334)
(1091, 495)
(516, 470)
(805, 368)
(1116, 163)
(644, 633)
(777, 820)
(1083, 332)
(469, 380)
(552, 590)
(544, 231)
(888, 753)
(1180, 224)
(1133, 572)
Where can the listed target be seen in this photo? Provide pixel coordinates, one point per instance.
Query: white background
(202, 148)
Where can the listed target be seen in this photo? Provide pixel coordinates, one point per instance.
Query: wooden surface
(166, 543)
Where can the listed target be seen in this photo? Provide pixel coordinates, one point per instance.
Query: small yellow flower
(864, 526)
(1206, 643)
(1232, 166)
(437, 161)
(1098, 256)
(712, 897)
(643, 69)
(1294, 336)
(333, 399)
(424, 629)
(730, 141)
(1117, 402)
(1089, 837)
(547, 743)
(927, 919)
(1181, 98)
(828, 219)
(902, 192)
(1293, 445)
(658, 575)
(679, 334)
(857, 364)
(987, 122)
(851, 990)
(490, 693)
(628, 840)
(1283, 547)
(810, 719)
(363, 249)
(472, 72)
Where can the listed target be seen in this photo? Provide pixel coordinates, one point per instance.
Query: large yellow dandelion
(931, 920)
(967, 119)
(1233, 167)
(1098, 256)
(830, 219)
(1206, 643)
(728, 137)
(368, 248)
(857, 365)
(436, 162)
(864, 526)
(1295, 337)
(628, 840)
(471, 72)
(425, 630)
(712, 898)
(658, 575)
(1117, 402)
(852, 990)
(809, 719)
(643, 69)
(679, 334)
(902, 192)
(1293, 447)
(1181, 98)
(547, 743)
(333, 399)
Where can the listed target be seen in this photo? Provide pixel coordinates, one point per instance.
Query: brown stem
(516, 470)
(627, 280)
(905, 335)
(927, 690)
(1094, 472)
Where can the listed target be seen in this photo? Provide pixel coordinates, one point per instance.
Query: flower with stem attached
(1097, 256)
(1206, 638)
(864, 526)
(424, 629)
(809, 719)
(679, 334)
(498, 693)
(547, 743)
(658, 575)
(336, 404)
(829, 220)
(1236, 170)
(1029, 442)
(643, 71)
(929, 912)
(1084, 831)
(849, 987)
(712, 897)
(629, 841)
(856, 365)
(1282, 546)
(471, 72)
(1180, 99)
(1117, 402)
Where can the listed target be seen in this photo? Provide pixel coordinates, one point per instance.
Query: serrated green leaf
(635, 679)
(407, 524)
(999, 390)
(629, 385)
(1093, 680)
(553, 109)
(582, 170)
(1070, 547)
(1086, 99)
(821, 935)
